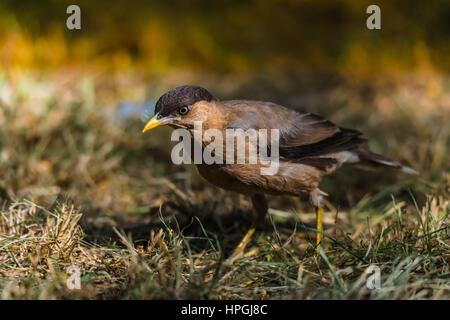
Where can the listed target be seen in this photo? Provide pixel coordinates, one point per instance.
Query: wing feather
(304, 137)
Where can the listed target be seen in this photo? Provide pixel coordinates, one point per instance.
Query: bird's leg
(316, 198)
(319, 226)
(260, 209)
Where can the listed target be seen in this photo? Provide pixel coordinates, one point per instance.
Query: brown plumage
(309, 146)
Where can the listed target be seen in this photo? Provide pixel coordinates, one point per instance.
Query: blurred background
(73, 102)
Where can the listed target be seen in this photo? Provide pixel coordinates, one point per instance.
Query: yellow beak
(152, 123)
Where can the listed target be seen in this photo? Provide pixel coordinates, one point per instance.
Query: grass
(80, 186)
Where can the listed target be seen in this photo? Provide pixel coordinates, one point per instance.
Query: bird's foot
(319, 227)
(238, 252)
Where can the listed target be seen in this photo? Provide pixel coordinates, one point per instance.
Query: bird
(309, 148)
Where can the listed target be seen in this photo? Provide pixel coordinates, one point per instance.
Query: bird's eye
(159, 116)
(183, 110)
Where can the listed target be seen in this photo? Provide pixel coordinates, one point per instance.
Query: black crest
(179, 97)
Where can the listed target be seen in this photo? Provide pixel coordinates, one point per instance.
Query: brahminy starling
(309, 147)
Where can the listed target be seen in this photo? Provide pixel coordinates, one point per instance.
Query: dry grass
(38, 245)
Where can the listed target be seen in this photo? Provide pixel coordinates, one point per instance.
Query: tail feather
(374, 158)
(409, 170)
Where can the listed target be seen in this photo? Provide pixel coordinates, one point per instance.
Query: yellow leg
(244, 241)
(260, 207)
(319, 226)
(239, 250)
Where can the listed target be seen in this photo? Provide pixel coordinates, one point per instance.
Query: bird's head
(176, 107)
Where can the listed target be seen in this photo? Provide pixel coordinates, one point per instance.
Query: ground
(80, 185)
